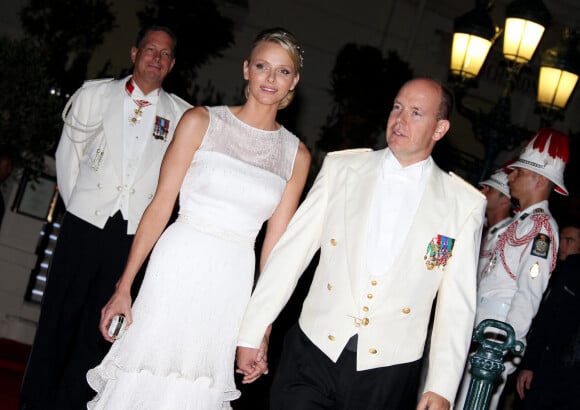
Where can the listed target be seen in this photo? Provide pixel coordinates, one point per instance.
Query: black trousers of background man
(307, 379)
(86, 264)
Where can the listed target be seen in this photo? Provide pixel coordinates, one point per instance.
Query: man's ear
(506, 200)
(544, 184)
(441, 129)
(133, 54)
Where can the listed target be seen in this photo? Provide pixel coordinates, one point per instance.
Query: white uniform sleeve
(532, 279)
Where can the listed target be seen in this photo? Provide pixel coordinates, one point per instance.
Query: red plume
(558, 143)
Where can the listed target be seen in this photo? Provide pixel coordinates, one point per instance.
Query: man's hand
(433, 401)
(524, 382)
(249, 365)
(263, 350)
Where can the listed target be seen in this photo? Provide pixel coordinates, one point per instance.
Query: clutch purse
(117, 327)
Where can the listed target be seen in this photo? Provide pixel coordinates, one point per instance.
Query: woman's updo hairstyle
(288, 42)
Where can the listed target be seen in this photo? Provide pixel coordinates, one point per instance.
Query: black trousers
(86, 264)
(307, 379)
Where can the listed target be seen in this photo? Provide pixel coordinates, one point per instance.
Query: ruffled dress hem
(139, 389)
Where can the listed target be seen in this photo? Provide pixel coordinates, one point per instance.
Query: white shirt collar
(414, 171)
(138, 93)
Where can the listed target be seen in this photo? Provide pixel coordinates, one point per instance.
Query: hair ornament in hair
(301, 54)
(297, 47)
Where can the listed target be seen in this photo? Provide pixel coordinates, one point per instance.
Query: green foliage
(61, 36)
(29, 114)
(67, 32)
(202, 34)
(364, 84)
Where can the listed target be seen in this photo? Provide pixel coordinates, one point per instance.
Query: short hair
(574, 223)
(284, 38)
(148, 29)
(446, 105)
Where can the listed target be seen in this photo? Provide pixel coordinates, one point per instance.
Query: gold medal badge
(439, 251)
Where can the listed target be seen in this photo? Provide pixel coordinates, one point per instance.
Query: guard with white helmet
(498, 180)
(511, 286)
(498, 214)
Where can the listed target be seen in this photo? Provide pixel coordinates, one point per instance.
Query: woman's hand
(119, 304)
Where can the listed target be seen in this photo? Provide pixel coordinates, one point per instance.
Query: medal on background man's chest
(135, 118)
(138, 112)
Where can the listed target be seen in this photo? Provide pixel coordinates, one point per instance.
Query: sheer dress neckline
(232, 115)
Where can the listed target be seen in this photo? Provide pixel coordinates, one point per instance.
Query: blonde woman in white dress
(234, 168)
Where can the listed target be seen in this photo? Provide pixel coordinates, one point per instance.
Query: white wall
(19, 235)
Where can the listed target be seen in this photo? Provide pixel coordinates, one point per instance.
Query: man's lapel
(113, 123)
(359, 190)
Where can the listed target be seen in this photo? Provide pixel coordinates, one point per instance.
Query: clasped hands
(252, 363)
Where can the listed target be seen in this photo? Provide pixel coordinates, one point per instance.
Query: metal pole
(487, 362)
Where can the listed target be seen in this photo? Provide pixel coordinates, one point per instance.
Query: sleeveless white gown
(179, 352)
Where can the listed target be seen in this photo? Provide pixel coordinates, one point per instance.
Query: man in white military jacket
(107, 163)
(395, 231)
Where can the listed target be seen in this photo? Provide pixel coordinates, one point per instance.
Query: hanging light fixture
(525, 23)
(473, 35)
(559, 71)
